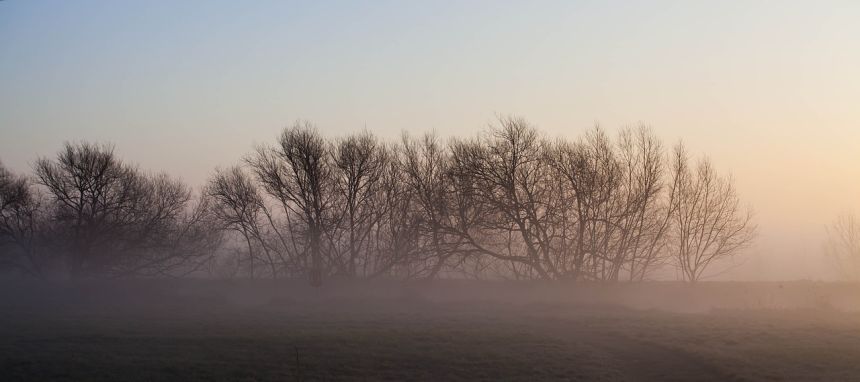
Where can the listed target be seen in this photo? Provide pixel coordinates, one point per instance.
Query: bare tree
(615, 209)
(93, 193)
(298, 173)
(507, 203)
(359, 163)
(593, 176)
(506, 172)
(398, 244)
(423, 163)
(843, 245)
(177, 237)
(646, 200)
(237, 204)
(113, 219)
(21, 224)
(709, 223)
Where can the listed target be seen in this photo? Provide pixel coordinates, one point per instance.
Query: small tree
(237, 204)
(709, 223)
(842, 245)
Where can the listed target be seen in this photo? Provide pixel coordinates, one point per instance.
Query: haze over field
(386, 190)
(767, 90)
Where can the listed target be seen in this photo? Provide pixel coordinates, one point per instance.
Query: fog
(429, 191)
(345, 296)
(431, 330)
(506, 255)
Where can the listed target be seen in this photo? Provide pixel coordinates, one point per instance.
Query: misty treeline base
(507, 203)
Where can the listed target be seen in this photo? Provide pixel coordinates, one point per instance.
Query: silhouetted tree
(647, 201)
(842, 245)
(359, 162)
(593, 176)
(397, 248)
(110, 218)
(708, 222)
(424, 164)
(21, 225)
(238, 205)
(297, 172)
(178, 236)
(506, 172)
(507, 203)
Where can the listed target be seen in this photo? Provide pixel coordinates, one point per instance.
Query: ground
(203, 330)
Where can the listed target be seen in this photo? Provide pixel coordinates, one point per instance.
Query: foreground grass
(151, 332)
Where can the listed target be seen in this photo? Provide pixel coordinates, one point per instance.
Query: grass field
(206, 330)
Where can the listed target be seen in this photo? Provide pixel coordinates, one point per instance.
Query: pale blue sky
(769, 89)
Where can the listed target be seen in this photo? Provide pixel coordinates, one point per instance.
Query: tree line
(506, 203)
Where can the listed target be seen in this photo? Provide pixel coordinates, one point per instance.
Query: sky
(769, 90)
